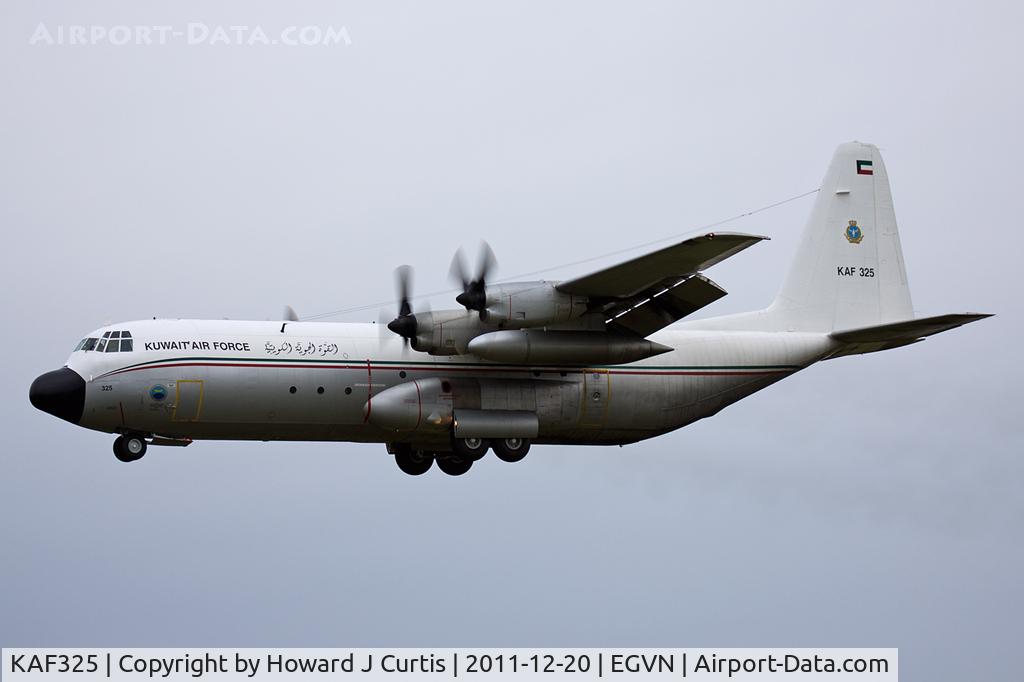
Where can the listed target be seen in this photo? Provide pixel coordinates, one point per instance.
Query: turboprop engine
(446, 332)
(513, 305)
(531, 304)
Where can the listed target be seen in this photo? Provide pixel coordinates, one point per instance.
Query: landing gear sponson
(459, 460)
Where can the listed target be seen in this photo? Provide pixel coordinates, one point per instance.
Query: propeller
(474, 290)
(405, 324)
(289, 314)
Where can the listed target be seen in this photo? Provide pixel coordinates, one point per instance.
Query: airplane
(591, 360)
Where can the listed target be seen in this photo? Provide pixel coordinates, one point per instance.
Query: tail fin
(848, 272)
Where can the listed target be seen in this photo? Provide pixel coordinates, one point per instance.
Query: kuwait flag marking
(864, 168)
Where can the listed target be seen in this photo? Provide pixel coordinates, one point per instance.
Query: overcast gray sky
(871, 501)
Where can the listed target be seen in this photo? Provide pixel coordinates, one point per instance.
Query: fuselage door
(188, 402)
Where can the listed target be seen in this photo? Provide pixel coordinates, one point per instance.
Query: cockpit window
(112, 342)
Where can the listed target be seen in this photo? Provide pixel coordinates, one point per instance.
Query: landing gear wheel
(129, 447)
(470, 448)
(510, 449)
(414, 462)
(453, 464)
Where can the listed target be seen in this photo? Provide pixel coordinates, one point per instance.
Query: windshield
(112, 342)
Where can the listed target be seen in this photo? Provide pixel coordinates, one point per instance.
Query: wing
(673, 262)
(647, 293)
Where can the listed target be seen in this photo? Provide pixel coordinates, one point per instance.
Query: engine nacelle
(447, 332)
(531, 304)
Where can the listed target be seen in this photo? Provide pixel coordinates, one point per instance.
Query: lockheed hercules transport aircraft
(588, 361)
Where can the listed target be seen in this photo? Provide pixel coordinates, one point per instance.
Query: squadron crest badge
(854, 235)
(158, 393)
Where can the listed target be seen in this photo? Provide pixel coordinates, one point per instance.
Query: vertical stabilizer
(848, 271)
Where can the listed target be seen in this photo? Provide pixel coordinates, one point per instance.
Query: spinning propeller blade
(474, 291)
(405, 324)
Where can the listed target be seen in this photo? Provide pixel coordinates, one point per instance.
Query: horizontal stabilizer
(896, 334)
(676, 261)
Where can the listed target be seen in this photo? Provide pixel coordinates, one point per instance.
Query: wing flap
(670, 305)
(688, 257)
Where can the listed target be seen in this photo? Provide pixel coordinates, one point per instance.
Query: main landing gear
(510, 449)
(460, 460)
(130, 447)
(413, 462)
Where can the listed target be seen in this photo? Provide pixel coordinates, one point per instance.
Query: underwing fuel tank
(424, 404)
(540, 347)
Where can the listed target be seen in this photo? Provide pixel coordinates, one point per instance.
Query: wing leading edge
(686, 258)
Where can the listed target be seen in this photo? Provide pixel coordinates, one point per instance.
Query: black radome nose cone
(60, 393)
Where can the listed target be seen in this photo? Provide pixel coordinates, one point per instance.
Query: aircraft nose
(60, 393)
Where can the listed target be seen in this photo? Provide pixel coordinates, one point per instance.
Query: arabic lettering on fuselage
(301, 348)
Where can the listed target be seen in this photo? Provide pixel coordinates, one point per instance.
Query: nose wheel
(129, 447)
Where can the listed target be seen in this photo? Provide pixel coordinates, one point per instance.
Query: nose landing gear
(129, 447)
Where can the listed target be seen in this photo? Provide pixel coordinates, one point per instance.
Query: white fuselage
(213, 379)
